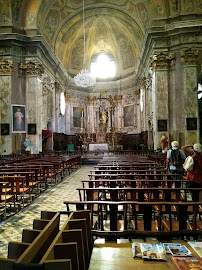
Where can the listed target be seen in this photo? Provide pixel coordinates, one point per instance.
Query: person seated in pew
(194, 176)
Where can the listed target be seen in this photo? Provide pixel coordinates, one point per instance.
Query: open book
(187, 263)
(136, 250)
(153, 252)
(197, 247)
(171, 245)
(179, 251)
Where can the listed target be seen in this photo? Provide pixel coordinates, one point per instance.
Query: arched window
(103, 65)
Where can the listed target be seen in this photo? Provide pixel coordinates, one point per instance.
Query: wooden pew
(146, 217)
(47, 247)
(17, 185)
(132, 183)
(39, 239)
(73, 243)
(5, 199)
(132, 175)
(135, 194)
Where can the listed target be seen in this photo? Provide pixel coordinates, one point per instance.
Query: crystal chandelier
(84, 78)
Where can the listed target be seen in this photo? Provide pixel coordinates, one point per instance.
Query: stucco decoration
(6, 67)
(143, 14)
(103, 28)
(174, 6)
(50, 105)
(187, 5)
(118, 99)
(158, 7)
(90, 100)
(5, 100)
(31, 69)
(32, 85)
(5, 12)
(190, 82)
(47, 85)
(16, 11)
(199, 4)
(189, 57)
(77, 56)
(78, 101)
(128, 99)
(5, 96)
(161, 94)
(68, 97)
(51, 25)
(160, 61)
(148, 84)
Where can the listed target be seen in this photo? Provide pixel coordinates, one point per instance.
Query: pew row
(48, 247)
(142, 218)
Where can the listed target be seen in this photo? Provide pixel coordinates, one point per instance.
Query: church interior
(108, 83)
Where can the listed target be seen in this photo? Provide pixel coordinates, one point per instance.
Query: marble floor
(52, 200)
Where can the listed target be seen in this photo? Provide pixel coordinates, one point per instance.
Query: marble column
(90, 115)
(68, 97)
(160, 65)
(189, 59)
(6, 70)
(34, 101)
(118, 112)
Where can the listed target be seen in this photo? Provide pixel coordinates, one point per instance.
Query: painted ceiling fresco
(115, 26)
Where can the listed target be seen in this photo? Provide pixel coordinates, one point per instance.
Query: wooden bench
(135, 194)
(47, 247)
(132, 183)
(139, 218)
(34, 242)
(72, 245)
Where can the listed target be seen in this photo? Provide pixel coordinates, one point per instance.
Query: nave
(50, 200)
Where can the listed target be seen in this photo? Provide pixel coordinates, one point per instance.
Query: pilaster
(160, 65)
(68, 98)
(34, 101)
(6, 70)
(189, 59)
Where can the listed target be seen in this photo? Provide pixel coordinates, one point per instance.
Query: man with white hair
(195, 176)
(174, 161)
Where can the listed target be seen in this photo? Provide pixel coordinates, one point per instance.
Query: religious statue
(104, 116)
(101, 135)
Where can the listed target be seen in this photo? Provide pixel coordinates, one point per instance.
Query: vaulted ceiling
(118, 27)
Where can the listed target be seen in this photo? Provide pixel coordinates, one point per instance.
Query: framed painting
(31, 129)
(128, 115)
(78, 114)
(162, 125)
(192, 123)
(18, 119)
(5, 129)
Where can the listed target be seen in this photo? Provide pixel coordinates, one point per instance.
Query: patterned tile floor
(51, 199)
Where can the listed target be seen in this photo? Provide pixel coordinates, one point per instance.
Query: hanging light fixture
(84, 78)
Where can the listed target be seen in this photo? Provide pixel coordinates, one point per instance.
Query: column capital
(6, 67)
(189, 57)
(31, 68)
(162, 61)
(47, 85)
(58, 88)
(68, 96)
(118, 99)
(90, 100)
